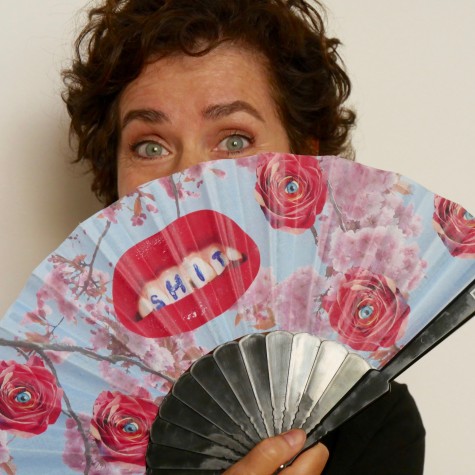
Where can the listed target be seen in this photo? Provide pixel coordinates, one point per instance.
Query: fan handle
(376, 383)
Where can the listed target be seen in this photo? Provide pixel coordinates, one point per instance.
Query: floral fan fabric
(142, 289)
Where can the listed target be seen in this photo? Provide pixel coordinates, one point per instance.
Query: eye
(150, 149)
(467, 216)
(23, 397)
(365, 312)
(292, 187)
(234, 143)
(130, 427)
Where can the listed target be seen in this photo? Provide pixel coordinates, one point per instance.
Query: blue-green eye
(130, 427)
(234, 143)
(365, 312)
(292, 187)
(23, 397)
(150, 149)
(468, 216)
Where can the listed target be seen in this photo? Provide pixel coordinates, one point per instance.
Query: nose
(192, 154)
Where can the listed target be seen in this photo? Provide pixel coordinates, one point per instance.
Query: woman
(158, 86)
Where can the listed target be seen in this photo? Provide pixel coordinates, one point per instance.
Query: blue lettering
(157, 302)
(199, 273)
(179, 285)
(218, 256)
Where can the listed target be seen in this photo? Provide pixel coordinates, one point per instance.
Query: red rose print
(120, 426)
(30, 398)
(291, 191)
(455, 226)
(367, 311)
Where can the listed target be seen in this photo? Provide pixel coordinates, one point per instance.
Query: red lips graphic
(167, 249)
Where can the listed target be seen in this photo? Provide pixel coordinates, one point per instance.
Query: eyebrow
(213, 112)
(145, 115)
(218, 111)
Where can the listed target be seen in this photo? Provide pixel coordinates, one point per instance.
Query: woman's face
(183, 110)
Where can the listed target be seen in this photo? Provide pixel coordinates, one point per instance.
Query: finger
(267, 456)
(312, 461)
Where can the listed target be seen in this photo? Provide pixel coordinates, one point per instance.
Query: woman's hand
(267, 456)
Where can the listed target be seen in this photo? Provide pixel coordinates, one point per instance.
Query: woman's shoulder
(385, 438)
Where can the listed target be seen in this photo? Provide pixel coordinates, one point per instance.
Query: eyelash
(236, 133)
(136, 145)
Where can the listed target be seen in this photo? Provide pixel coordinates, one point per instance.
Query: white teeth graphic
(145, 307)
(175, 283)
(152, 298)
(233, 254)
(198, 271)
(215, 256)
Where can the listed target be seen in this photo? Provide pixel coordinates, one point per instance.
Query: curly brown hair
(307, 78)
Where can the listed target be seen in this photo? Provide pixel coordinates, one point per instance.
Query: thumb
(267, 456)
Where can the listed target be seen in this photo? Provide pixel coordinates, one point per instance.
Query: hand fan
(261, 259)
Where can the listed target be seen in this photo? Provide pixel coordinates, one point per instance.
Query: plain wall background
(413, 72)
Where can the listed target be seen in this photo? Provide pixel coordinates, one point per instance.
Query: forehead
(226, 72)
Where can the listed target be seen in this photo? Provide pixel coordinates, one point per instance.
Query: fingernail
(294, 437)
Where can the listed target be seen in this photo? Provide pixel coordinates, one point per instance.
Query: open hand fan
(360, 270)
